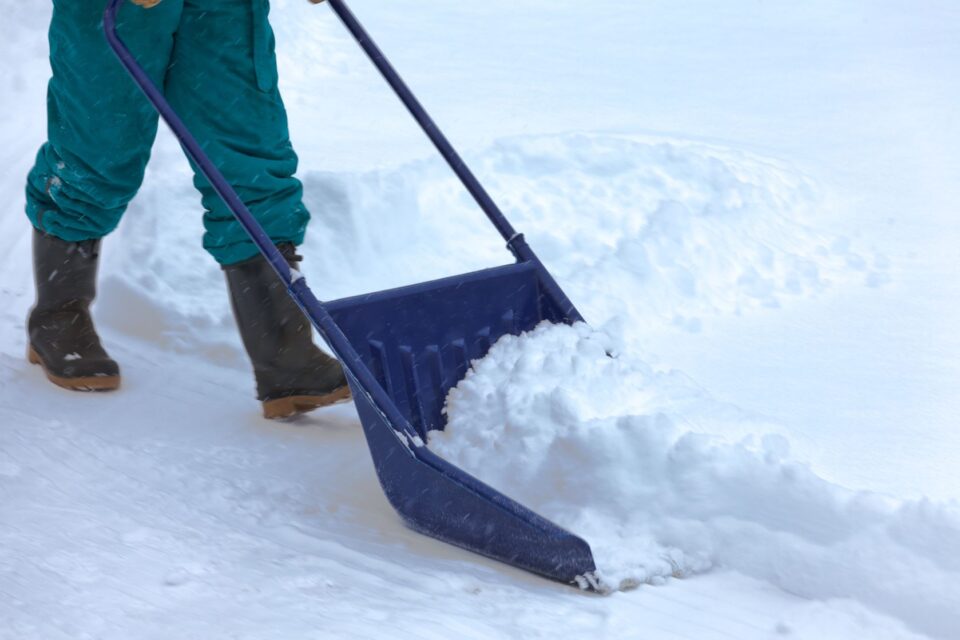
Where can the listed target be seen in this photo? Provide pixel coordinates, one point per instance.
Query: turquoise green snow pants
(215, 61)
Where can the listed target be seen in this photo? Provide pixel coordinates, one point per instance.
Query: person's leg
(100, 127)
(100, 133)
(223, 83)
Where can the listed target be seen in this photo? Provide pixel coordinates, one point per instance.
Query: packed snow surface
(663, 482)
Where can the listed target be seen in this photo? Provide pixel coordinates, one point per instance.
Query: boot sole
(87, 383)
(296, 405)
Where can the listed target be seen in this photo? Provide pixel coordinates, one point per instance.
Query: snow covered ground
(756, 200)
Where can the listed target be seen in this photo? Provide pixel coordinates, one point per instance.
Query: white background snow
(755, 200)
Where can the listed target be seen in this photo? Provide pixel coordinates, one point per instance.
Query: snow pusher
(403, 349)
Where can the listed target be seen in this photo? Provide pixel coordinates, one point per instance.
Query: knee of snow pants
(223, 83)
(215, 61)
(99, 127)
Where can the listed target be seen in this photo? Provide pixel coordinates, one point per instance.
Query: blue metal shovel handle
(515, 241)
(295, 283)
(426, 123)
(191, 147)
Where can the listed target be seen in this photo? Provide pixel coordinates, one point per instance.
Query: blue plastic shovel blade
(418, 341)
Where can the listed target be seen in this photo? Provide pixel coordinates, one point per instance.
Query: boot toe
(89, 368)
(298, 403)
(296, 393)
(79, 374)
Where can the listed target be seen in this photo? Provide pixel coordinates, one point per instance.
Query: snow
(755, 203)
(646, 467)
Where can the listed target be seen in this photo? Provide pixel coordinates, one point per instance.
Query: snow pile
(680, 230)
(632, 459)
(656, 232)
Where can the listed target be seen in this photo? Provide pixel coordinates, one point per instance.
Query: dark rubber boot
(62, 337)
(293, 375)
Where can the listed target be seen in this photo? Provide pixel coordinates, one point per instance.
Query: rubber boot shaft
(62, 335)
(277, 335)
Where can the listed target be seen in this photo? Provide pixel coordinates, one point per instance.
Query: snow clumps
(662, 483)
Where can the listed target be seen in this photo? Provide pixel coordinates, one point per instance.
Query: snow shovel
(403, 349)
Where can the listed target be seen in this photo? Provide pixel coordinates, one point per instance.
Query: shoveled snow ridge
(681, 231)
(663, 482)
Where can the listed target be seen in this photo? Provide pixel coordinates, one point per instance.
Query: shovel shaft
(191, 146)
(426, 123)
(515, 241)
(295, 283)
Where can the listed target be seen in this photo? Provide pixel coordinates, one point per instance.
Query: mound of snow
(680, 231)
(643, 466)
